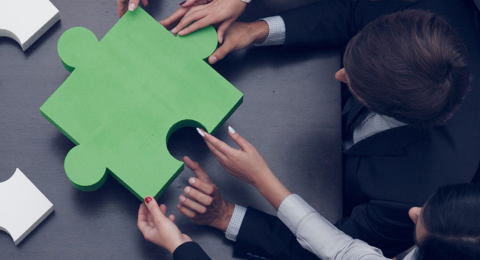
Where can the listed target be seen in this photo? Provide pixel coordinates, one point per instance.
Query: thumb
(221, 52)
(154, 209)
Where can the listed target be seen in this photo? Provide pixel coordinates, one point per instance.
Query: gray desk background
(291, 113)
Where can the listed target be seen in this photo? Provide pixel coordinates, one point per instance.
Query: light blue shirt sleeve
(276, 31)
(319, 236)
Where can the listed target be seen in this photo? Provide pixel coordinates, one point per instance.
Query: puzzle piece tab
(22, 206)
(26, 20)
(127, 94)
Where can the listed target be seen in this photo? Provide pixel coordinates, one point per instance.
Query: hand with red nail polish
(157, 228)
(197, 14)
(128, 5)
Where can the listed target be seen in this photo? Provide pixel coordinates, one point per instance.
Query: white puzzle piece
(22, 206)
(26, 20)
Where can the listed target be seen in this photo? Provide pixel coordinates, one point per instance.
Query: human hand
(248, 165)
(239, 36)
(157, 228)
(204, 204)
(124, 5)
(204, 13)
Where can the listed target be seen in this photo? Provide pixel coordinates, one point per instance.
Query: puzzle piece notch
(26, 20)
(78, 45)
(121, 103)
(23, 207)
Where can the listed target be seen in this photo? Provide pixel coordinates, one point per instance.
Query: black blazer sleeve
(384, 224)
(190, 251)
(332, 23)
(263, 235)
(327, 23)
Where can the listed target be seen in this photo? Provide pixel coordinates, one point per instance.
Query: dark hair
(409, 65)
(452, 220)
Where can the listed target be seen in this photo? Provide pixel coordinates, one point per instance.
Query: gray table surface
(291, 113)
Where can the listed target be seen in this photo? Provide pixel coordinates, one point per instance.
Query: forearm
(272, 189)
(319, 236)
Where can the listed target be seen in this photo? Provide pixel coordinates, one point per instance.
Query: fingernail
(191, 181)
(174, 30)
(131, 7)
(187, 189)
(214, 59)
(182, 198)
(182, 2)
(181, 32)
(148, 199)
(178, 206)
(200, 132)
(231, 130)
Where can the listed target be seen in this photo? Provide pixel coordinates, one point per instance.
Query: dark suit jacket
(190, 251)
(388, 173)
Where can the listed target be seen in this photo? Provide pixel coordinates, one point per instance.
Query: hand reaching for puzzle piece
(157, 228)
(128, 5)
(202, 202)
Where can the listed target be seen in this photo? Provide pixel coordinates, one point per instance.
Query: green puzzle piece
(127, 94)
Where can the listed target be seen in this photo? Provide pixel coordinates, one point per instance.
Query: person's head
(409, 65)
(448, 226)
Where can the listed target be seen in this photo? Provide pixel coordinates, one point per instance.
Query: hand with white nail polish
(248, 165)
(202, 201)
(128, 5)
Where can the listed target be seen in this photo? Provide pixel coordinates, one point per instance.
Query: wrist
(260, 31)
(176, 243)
(225, 217)
(274, 191)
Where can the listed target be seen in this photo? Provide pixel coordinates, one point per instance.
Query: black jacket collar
(389, 142)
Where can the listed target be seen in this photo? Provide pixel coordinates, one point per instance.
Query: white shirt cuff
(276, 31)
(235, 223)
(319, 236)
(293, 210)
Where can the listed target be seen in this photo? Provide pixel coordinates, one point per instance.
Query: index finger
(196, 168)
(201, 23)
(219, 145)
(173, 18)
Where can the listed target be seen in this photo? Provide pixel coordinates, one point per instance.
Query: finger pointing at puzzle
(202, 201)
(128, 5)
